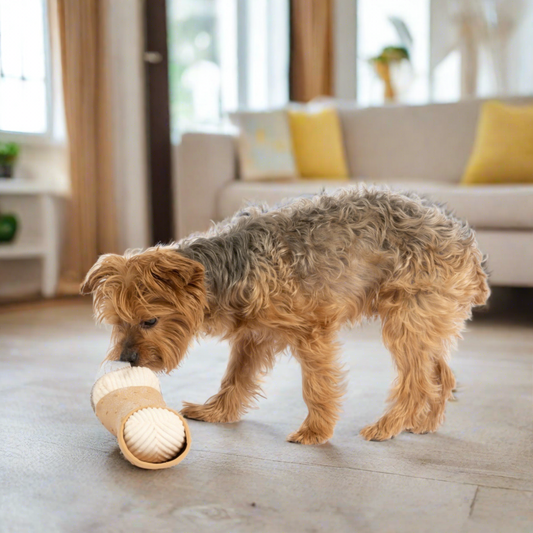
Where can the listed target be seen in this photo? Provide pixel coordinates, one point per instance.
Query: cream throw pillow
(264, 146)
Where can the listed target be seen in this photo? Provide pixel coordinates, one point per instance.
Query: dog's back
(373, 233)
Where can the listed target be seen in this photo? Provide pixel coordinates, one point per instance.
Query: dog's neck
(226, 268)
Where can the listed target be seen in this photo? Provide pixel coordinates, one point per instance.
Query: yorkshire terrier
(291, 277)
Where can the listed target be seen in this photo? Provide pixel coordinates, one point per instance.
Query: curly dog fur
(269, 280)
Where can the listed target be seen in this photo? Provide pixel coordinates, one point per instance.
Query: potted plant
(389, 56)
(8, 227)
(8, 156)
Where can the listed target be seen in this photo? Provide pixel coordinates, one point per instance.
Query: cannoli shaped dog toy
(128, 402)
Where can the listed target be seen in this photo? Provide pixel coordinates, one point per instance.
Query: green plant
(390, 54)
(8, 227)
(8, 153)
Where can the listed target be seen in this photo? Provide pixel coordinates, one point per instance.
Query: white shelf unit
(37, 208)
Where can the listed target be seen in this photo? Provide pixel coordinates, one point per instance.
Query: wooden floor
(61, 471)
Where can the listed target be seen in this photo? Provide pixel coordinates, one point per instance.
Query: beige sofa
(420, 148)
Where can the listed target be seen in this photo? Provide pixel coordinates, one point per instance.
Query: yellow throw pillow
(317, 142)
(503, 150)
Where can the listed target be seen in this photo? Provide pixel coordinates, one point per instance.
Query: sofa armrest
(203, 164)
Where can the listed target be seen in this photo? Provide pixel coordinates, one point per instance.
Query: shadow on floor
(508, 305)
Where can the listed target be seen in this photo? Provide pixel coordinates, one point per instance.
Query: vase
(384, 74)
(8, 227)
(6, 170)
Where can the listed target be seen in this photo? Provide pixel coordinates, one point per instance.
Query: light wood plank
(497, 510)
(62, 470)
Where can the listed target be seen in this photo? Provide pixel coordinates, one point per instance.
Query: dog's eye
(148, 323)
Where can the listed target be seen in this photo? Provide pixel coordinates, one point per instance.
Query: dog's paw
(429, 425)
(377, 432)
(209, 412)
(307, 436)
(193, 411)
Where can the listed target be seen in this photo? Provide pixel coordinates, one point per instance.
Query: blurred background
(122, 122)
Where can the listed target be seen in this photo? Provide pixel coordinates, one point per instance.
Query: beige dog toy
(128, 402)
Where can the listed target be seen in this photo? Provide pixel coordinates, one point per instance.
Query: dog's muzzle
(129, 355)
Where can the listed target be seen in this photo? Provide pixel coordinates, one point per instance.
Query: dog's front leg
(249, 360)
(322, 386)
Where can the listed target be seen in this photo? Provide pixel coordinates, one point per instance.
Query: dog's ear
(107, 265)
(176, 278)
(168, 267)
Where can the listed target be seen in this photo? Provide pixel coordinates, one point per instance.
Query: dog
(289, 278)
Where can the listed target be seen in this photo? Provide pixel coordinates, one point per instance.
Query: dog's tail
(482, 292)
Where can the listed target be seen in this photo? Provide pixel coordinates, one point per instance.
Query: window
(376, 30)
(446, 85)
(194, 63)
(225, 55)
(24, 87)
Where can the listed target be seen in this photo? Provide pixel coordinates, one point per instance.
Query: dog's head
(154, 300)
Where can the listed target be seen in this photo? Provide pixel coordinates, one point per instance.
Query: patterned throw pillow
(265, 146)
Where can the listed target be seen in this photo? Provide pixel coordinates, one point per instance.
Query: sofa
(419, 148)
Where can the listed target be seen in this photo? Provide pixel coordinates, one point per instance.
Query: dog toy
(128, 402)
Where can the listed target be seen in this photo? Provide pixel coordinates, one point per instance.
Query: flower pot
(8, 228)
(6, 170)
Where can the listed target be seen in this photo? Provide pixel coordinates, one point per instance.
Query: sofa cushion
(487, 207)
(503, 151)
(264, 145)
(318, 144)
(426, 143)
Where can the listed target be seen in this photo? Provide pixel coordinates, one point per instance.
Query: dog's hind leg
(322, 386)
(419, 331)
(250, 358)
(445, 379)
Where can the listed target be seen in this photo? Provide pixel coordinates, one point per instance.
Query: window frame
(47, 137)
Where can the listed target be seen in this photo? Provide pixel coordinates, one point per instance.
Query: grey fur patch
(317, 239)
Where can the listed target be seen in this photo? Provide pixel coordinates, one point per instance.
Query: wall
(345, 48)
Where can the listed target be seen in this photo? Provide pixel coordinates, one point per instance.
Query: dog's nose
(129, 355)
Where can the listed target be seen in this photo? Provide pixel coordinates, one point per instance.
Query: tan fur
(138, 286)
(422, 290)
